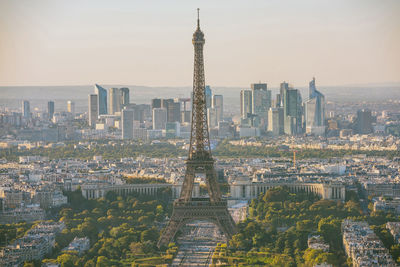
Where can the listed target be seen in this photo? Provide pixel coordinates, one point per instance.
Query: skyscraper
(261, 98)
(283, 87)
(127, 123)
(246, 103)
(315, 110)
(26, 109)
(115, 100)
(174, 112)
(159, 118)
(185, 109)
(173, 109)
(102, 99)
(71, 107)
(212, 117)
(50, 109)
(292, 110)
(142, 112)
(363, 123)
(124, 96)
(218, 105)
(93, 110)
(261, 102)
(156, 103)
(208, 96)
(275, 121)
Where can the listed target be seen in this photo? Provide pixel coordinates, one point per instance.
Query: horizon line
(215, 86)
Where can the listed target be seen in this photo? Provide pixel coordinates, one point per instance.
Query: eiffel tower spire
(199, 139)
(187, 208)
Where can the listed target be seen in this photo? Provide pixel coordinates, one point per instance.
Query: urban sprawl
(305, 145)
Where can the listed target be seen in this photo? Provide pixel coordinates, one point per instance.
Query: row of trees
(116, 151)
(224, 149)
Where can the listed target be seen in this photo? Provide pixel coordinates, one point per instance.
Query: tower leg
(174, 224)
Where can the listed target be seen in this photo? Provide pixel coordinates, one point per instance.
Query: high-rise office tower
(208, 96)
(124, 96)
(173, 109)
(212, 117)
(115, 100)
(166, 102)
(71, 107)
(261, 98)
(159, 118)
(185, 109)
(101, 99)
(261, 102)
(26, 109)
(278, 101)
(127, 123)
(245, 103)
(142, 112)
(363, 123)
(50, 109)
(292, 109)
(93, 110)
(275, 121)
(283, 87)
(218, 105)
(174, 112)
(315, 110)
(156, 103)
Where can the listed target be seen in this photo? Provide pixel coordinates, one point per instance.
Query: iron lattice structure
(200, 161)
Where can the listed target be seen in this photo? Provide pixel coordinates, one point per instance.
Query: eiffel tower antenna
(188, 208)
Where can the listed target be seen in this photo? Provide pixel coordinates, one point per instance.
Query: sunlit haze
(340, 42)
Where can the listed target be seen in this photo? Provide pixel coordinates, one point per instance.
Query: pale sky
(341, 42)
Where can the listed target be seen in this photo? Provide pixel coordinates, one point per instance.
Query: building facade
(315, 111)
(93, 110)
(101, 99)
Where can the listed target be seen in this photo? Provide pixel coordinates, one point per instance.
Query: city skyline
(338, 42)
(160, 176)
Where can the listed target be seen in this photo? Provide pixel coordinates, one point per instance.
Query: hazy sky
(149, 42)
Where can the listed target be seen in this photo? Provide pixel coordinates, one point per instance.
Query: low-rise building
(29, 213)
(245, 188)
(35, 245)
(317, 242)
(382, 189)
(387, 205)
(78, 245)
(363, 246)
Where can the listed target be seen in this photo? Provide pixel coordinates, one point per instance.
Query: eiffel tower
(200, 161)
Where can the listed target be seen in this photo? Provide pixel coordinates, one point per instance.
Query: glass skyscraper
(101, 99)
(315, 110)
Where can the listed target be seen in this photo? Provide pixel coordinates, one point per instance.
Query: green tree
(67, 260)
(150, 235)
(103, 262)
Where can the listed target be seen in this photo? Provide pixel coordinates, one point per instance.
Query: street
(197, 244)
